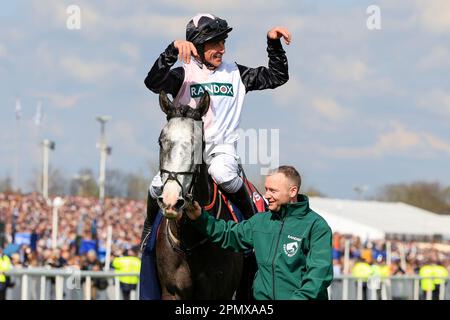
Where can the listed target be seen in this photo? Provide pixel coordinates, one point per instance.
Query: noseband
(186, 194)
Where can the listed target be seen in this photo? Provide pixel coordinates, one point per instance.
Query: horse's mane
(184, 111)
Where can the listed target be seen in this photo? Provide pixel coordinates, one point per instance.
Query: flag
(39, 114)
(18, 109)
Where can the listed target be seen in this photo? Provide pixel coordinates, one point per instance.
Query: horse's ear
(203, 105)
(164, 102)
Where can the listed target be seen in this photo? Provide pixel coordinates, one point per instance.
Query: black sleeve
(161, 77)
(267, 78)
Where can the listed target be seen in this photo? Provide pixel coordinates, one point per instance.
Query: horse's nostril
(179, 204)
(161, 203)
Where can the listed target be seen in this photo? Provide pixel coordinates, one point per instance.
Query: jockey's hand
(278, 32)
(194, 211)
(185, 50)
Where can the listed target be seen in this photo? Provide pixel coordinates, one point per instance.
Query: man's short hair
(289, 172)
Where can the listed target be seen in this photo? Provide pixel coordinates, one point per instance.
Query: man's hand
(278, 32)
(185, 50)
(194, 211)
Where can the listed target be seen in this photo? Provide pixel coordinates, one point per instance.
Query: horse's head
(181, 150)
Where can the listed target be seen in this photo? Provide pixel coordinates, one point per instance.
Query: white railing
(389, 288)
(73, 284)
(65, 284)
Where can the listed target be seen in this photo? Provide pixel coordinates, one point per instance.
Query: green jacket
(292, 247)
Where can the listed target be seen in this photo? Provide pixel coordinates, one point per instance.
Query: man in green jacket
(292, 243)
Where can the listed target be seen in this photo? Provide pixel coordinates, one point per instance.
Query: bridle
(173, 175)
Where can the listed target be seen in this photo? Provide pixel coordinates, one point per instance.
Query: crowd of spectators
(82, 227)
(405, 257)
(83, 222)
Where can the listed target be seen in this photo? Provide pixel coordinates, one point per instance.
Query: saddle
(208, 202)
(259, 203)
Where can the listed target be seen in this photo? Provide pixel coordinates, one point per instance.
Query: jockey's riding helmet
(205, 27)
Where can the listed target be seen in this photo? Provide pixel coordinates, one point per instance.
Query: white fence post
(442, 290)
(87, 288)
(359, 294)
(59, 288)
(117, 288)
(345, 284)
(24, 293)
(138, 290)
(43, 287)
(416, 289)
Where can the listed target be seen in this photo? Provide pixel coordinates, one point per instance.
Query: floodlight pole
(104, 150)
(47, 146)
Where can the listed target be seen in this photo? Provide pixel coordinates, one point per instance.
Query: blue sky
(362, 107)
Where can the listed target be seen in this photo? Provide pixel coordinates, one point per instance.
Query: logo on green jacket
(291, 248)
(214, 89)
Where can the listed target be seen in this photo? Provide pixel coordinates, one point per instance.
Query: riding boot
(242, 201)
(152, 211)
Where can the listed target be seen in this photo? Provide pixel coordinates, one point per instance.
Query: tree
(84, 184)
(426, 195)
(57, 182)
(137, 186)
(116, 183)
(6, 185)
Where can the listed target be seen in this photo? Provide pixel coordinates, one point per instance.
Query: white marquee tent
(375, 220)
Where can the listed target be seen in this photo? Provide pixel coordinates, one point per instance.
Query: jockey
(203, 69)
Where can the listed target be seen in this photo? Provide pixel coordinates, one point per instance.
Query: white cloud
(399, 140)
(148, 24)
(94, 71)
(289, 93)
(52, 11)
(434, 15)
(62, 101)
(3, 52)
(12, 33)
(436, 101)
(217, 7)
(437, 59)
(45, 56)
(438, 144)
(131, 51)
(330, 109)
(123, 135)
(349, 69)
(56, 130)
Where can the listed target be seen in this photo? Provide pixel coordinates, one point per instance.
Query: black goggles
(214, 27)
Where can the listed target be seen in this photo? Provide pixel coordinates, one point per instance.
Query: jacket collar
(295, 209)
